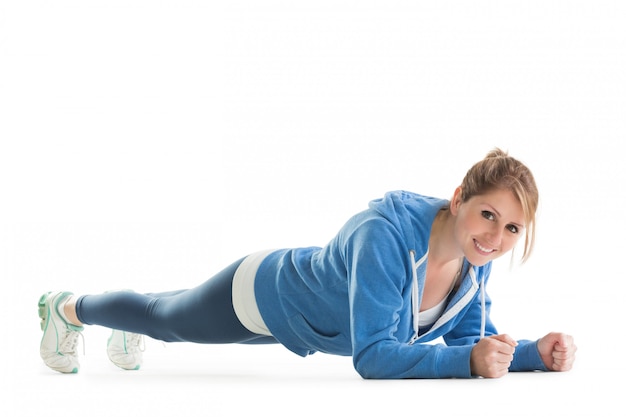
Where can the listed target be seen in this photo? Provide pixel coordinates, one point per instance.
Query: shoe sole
(42, 309)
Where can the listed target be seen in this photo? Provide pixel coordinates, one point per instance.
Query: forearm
(527, 358)
(388, 360)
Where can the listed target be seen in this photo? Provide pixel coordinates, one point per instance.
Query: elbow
(370, 369)
(364, 373)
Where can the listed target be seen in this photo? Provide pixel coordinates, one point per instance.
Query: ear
(456, 201)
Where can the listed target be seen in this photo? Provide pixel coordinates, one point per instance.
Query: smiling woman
(405, 271)
(499, 172)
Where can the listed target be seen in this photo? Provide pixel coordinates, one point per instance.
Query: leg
(203, 314)
(69, 305)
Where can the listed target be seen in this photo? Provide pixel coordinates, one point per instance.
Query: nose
(494, 238)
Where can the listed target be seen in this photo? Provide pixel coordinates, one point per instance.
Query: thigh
(205, 314)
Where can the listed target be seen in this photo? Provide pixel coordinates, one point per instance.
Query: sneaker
(125, 349)
(60, 339)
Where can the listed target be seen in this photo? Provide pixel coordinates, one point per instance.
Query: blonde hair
(499, 171)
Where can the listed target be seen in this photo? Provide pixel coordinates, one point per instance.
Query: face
(487, 226)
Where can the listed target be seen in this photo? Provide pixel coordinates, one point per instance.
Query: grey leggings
(203, 314)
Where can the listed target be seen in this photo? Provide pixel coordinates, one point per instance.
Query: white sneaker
(60, 339)
(125, 349)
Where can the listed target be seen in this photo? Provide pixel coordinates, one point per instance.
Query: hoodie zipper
(415, 297)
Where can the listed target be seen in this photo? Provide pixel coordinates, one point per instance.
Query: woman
(406, 271)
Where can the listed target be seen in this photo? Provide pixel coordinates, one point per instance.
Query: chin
(478, 260)
(482, 263)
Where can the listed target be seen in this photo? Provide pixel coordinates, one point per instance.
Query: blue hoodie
(359, 296)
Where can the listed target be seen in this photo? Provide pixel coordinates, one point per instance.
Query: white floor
(186, 379)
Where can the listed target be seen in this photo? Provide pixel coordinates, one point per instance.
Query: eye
(488, 215)
(512, 228)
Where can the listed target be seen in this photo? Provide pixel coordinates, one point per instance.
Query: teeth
(482, 248)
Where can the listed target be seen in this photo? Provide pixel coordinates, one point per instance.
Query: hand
(557, 351)
(492, 356)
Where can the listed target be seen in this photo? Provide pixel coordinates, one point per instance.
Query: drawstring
(415, 294)
(483, 313)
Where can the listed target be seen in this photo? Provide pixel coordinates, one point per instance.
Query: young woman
(405, 271)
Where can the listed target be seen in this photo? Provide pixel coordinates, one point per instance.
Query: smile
(482, 249)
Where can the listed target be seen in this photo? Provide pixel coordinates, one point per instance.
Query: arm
(378, 268)
(553, 352)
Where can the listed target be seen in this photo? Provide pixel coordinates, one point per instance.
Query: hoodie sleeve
(378, 267)
(527, 358)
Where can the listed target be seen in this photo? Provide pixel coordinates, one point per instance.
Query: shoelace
(135, 341)
(70, 342)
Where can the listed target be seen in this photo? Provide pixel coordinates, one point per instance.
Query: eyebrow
(499, 215)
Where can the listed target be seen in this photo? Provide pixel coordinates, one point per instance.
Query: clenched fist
(557, 350)
(492, 356)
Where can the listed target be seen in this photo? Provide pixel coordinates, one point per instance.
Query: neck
(442, 245)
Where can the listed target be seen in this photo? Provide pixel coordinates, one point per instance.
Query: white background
(148, 144)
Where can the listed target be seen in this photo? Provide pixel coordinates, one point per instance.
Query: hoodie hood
(413, 214)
